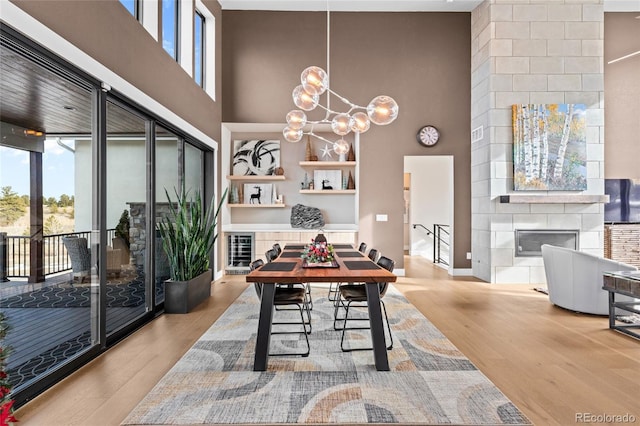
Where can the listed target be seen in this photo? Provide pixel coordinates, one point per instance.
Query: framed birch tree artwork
(549, 147)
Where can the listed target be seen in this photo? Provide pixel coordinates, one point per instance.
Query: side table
(625, 283)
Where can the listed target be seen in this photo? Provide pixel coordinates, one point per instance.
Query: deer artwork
(256, 196)
(325, 184)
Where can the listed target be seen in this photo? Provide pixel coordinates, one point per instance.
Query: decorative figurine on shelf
(279, 171)
(308, 156)
(233, 195)
(351, 155)
(344, 182)
(351, 183)
(305, 182)
(326, 152)
(311, 186)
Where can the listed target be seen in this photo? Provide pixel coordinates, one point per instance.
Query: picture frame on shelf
(255, 157)
(327, 179)
(258, 193)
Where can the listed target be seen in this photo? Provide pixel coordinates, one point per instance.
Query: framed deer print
(258, 193)
(549, 147)
(327, 179)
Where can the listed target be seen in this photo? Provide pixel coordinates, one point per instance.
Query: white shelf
(257, 206)
(323, 164)
(328, 191)
(256, 178)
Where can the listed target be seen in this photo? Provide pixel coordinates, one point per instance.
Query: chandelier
(314, 81)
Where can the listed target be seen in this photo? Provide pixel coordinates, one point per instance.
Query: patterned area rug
(430, 381)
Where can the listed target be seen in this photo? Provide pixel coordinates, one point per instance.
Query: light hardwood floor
(552, 363)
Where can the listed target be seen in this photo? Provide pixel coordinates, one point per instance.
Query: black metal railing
(440, 236)
(16, 262)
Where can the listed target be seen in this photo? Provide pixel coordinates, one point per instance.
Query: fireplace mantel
(553, 199)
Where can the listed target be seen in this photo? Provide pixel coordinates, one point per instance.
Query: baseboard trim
(462, 272)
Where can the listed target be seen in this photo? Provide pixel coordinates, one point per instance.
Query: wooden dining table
(352, 267)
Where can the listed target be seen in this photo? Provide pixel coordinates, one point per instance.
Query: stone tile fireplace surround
(525, 53)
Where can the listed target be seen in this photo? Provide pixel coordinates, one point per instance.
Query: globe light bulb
(340, 124)
(314, 80)
(292, 135)
(341, 147)
(304, 100)
(359, 122)
(296, 119)
(382, 110)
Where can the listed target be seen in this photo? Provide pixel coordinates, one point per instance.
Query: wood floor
(552, 363)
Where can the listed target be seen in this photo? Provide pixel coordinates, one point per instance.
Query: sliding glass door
(126, 194)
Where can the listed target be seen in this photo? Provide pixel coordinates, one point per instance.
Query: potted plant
(121, 241)
(188, 235)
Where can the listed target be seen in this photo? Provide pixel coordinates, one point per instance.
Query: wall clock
(428, 135)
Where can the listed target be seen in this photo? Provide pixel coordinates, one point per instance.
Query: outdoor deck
(50, 322)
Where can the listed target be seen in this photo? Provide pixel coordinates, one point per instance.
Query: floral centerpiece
(318, 254)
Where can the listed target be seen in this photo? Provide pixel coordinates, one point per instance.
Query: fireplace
(530, 241)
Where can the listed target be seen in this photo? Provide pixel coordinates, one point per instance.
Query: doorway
(428, 224)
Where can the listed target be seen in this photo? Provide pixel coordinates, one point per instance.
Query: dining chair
(287, 296)
(271, 255)
(356, 293)
(374, 255)
(277, 248)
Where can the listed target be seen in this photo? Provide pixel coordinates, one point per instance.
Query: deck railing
(55, 257)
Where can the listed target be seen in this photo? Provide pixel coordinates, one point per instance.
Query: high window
(133, 6)
(199, 48)
(170, 28)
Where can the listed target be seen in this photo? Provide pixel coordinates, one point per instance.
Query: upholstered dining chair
(271, 255)
(288, 296)
(356, 293)
(334, 288)
(374, 255)
(80, 255)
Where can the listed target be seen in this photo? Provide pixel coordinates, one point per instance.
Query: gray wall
(422, 60)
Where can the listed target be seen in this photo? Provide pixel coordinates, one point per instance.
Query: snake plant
(189, 234)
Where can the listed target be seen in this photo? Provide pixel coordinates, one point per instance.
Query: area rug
(430, 381)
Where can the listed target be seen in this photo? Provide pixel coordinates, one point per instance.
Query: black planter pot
(181, 297)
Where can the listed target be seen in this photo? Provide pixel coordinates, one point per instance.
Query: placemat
(359, 265)
(342, 246)
(349, 254)
(290, 254)
(294, 247)
(279, 266)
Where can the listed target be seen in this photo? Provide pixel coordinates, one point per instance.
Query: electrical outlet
(468, 255)
(381, 218)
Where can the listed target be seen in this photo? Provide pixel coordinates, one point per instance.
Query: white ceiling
(389, 5)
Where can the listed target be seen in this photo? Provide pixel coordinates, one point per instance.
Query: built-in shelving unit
(252, 178)
(328, 191)
(323, 164)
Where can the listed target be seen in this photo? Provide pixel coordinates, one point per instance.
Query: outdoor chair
(80, 255)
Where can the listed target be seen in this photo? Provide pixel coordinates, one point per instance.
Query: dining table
(349, 267)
